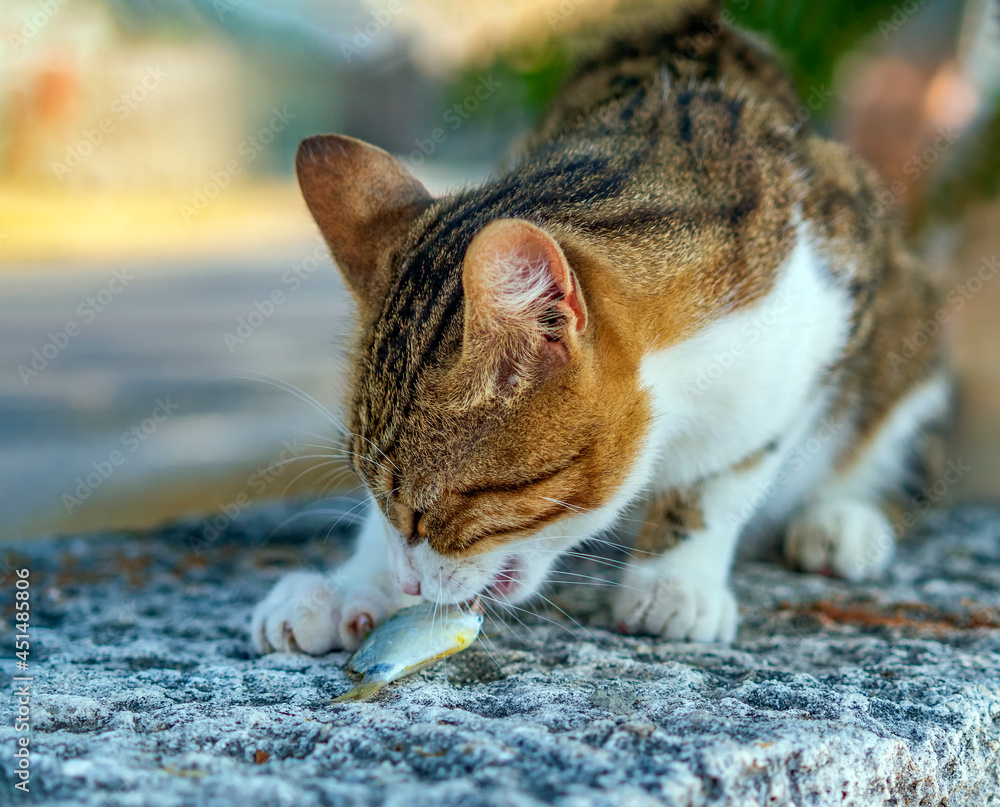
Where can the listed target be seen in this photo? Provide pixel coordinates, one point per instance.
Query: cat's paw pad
(692, 606)
(307, 612)
(848, 538)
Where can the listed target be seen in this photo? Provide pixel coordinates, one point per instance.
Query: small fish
(413, 639)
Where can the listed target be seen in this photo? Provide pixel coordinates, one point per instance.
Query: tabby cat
(679, 292)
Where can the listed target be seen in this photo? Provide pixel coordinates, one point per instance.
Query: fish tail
(361, 692)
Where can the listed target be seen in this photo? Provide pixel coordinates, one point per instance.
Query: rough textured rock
(146, 690)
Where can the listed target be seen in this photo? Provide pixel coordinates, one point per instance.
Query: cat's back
(634, 82)
(711, 152)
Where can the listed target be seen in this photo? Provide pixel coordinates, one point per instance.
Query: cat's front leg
(309, 612)
(677, 583)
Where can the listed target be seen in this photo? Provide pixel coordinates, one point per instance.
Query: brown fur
(664, 179)
(671, 516)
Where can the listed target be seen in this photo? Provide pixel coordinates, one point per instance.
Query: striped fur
(670, 195)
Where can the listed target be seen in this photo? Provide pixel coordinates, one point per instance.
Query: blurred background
(171, 327)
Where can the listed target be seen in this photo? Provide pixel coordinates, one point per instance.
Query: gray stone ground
(146, 690)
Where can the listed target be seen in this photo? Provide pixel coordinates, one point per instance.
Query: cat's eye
(509, 487)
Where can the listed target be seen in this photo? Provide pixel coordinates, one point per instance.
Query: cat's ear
(361, 198)
(524, 305)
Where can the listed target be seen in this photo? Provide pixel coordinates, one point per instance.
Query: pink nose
(411, 586)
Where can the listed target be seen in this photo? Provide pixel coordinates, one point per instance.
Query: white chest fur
(750, 378)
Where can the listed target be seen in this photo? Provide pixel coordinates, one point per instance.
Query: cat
(678, 291)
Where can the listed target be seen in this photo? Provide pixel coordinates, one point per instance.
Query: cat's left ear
(362, 200)
(523, 299)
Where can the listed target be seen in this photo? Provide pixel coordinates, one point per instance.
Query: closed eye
(534, 523)
(509, 487)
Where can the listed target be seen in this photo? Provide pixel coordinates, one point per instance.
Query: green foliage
(527, 83)
(973, 173)
(812, 35)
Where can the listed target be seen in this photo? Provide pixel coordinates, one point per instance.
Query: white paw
(309, 613)
(681, 605)
(849, 538)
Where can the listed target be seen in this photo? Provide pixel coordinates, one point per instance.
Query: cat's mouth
(507, 580)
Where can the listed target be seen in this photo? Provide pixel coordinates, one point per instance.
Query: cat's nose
(405, 576)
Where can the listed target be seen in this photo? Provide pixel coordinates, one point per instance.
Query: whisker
(310, 511)
(280, 463)
(310, 469)
(333, 448)
(488, 640)
(287, 386)
(437, 600)
(379, 450)
(581, 541)
(323, 511)
(631, 550)
(574, 507)
(308, 399)
(588, 579)
(535, 613)
(327, 439)
(387, 496)
(328, 455)
(571, 619)
(584, 510)
(350, 512)
(569, 553)
(336, 477)
(482, 634)
(509, 610)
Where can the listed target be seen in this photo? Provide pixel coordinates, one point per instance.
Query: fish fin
(362, 692)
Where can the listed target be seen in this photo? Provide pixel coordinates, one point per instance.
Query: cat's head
(495, 413)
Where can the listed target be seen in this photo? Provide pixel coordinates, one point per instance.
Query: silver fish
(413, 639)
